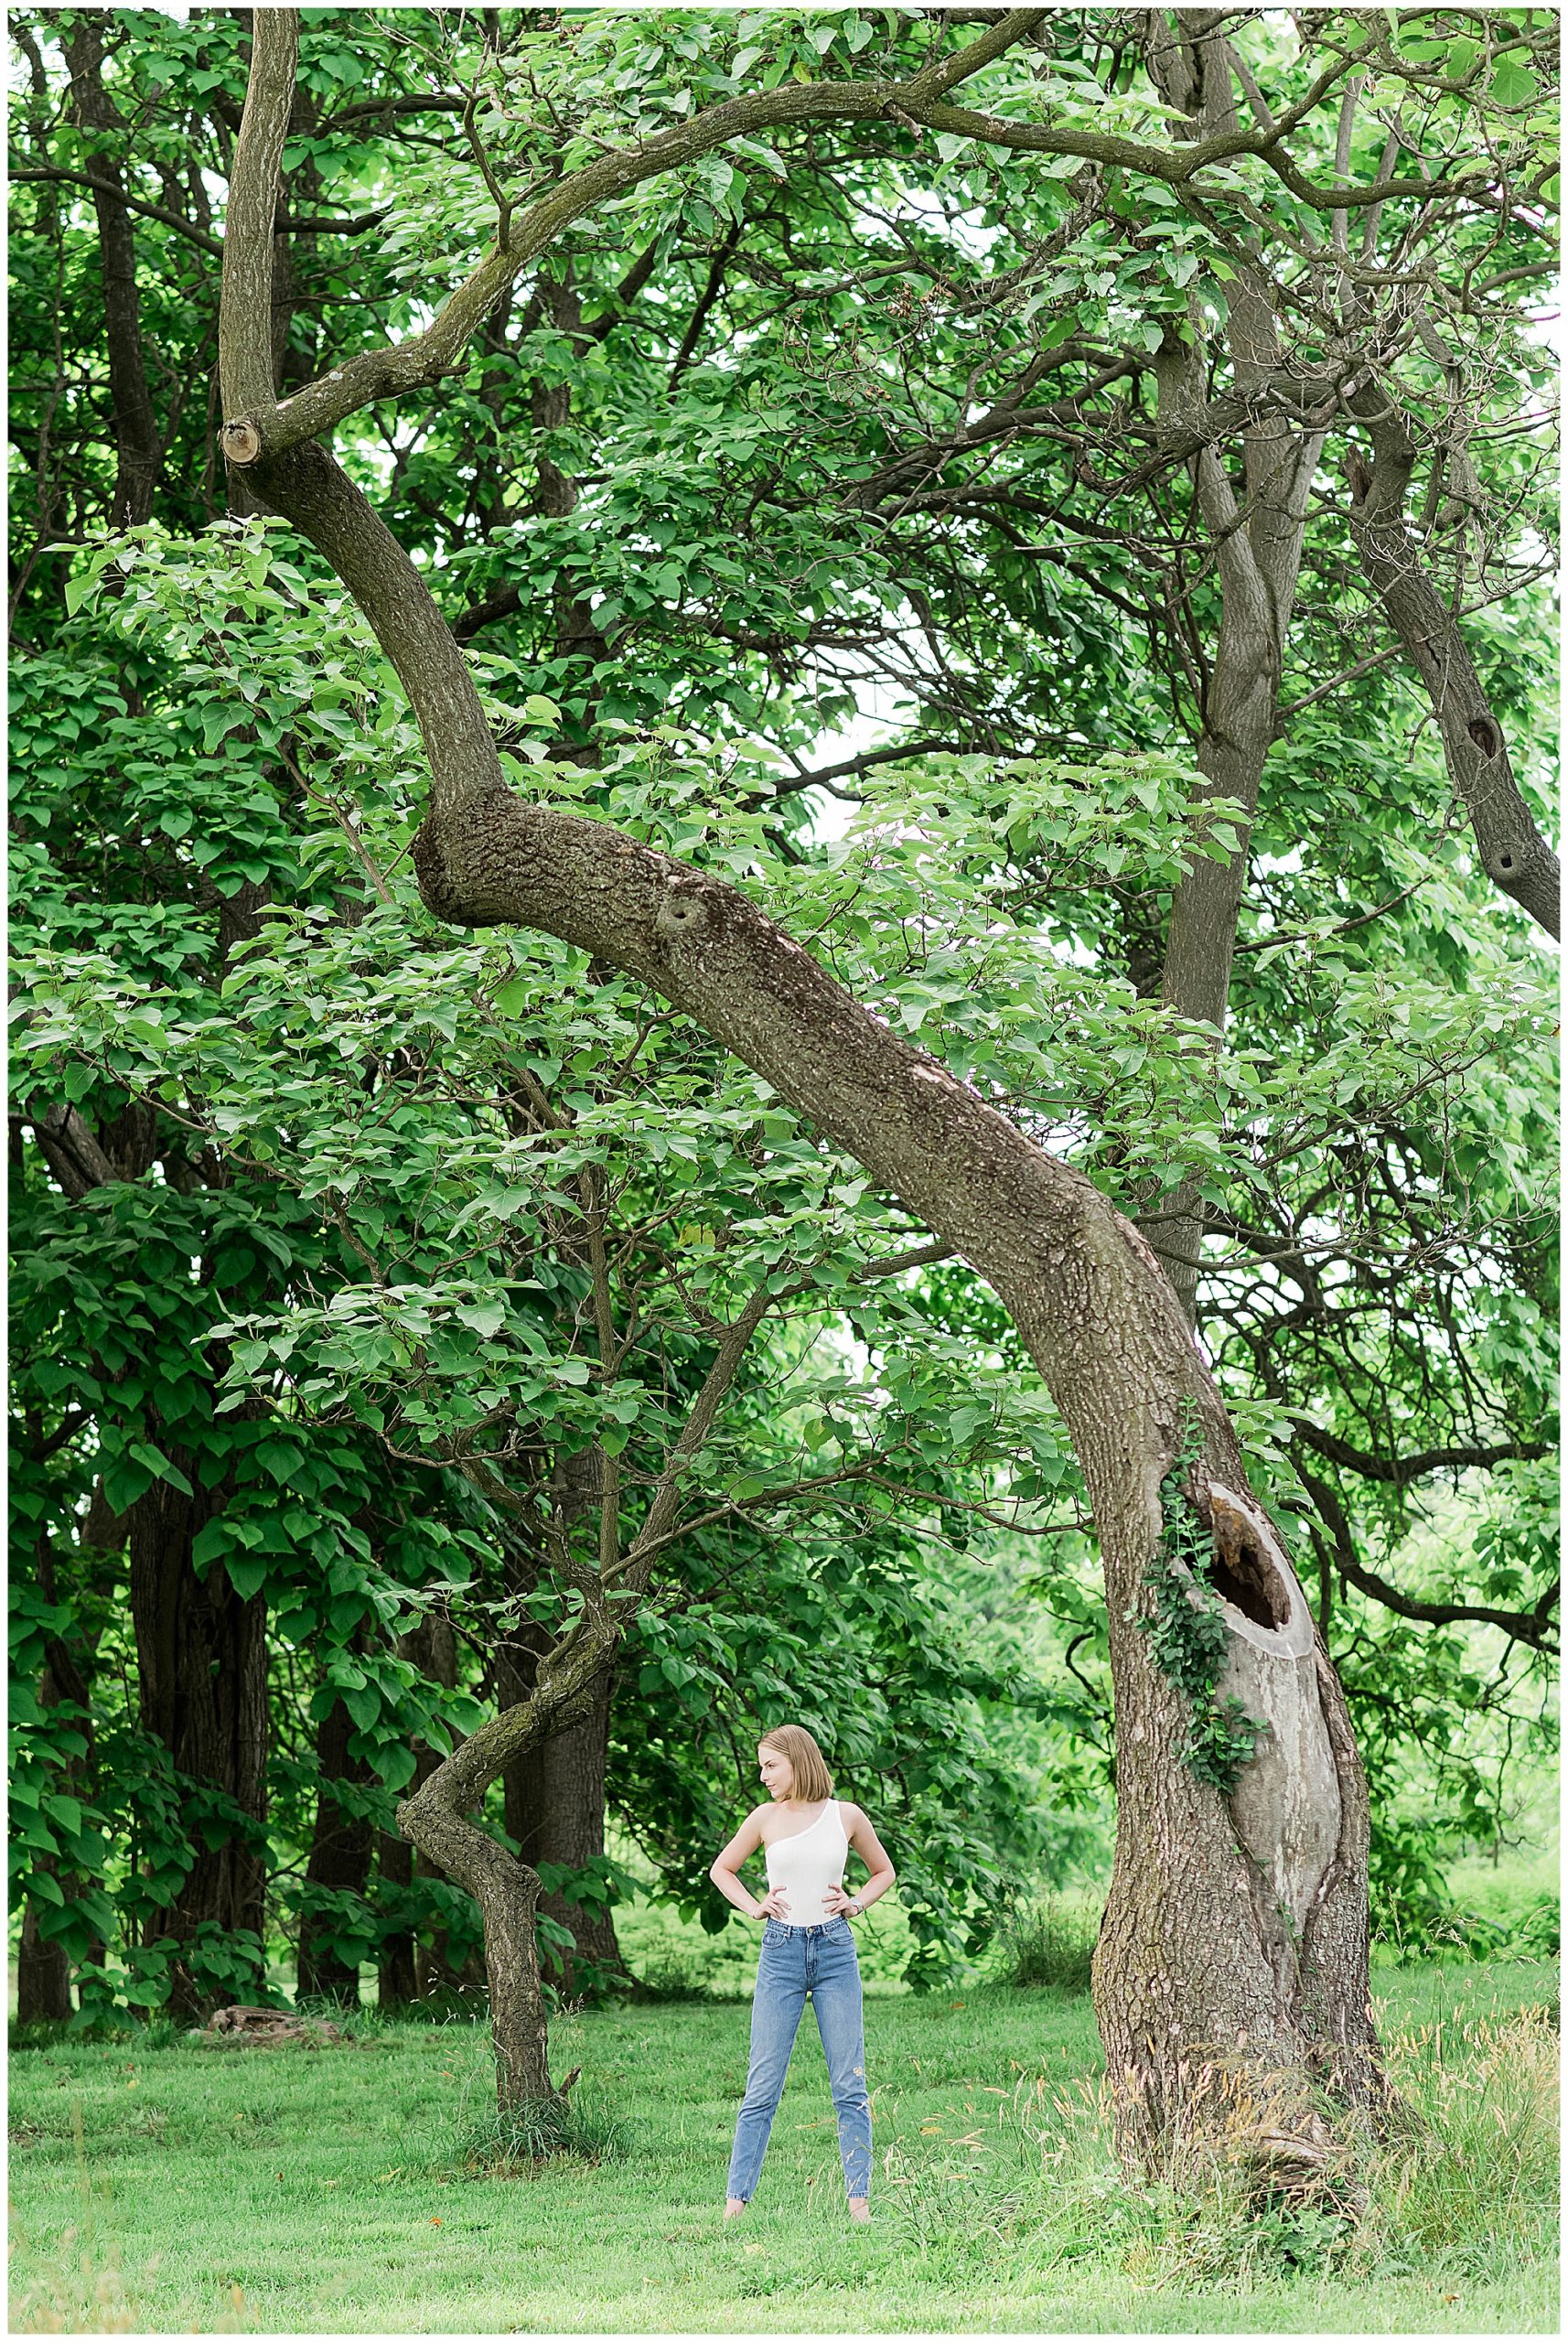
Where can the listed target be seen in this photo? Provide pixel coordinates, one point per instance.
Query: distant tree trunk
(433, 1647)
(1257, 538)
(397, 1980)
(43, 1970)
(43, 1966)
(138, 451)
(201, 1665)
(555, 1809)
(555, 1791)
(339, 1858)
(397, 1976)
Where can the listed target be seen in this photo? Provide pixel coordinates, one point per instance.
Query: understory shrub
(1050, 1940)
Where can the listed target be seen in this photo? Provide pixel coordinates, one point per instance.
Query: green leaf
(159, 1466)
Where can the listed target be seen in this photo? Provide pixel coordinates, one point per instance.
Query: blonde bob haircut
(810, 1782)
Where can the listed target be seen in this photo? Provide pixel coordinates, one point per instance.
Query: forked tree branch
(256, 424)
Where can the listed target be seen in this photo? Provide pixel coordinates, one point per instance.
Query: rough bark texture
(201, 1672)
(1177, 1976)
(339, 1858)
(1235, 1935)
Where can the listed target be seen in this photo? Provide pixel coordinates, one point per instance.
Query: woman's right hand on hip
(773, 1904)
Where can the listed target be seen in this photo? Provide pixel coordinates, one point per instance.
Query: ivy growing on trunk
(1186, 1630)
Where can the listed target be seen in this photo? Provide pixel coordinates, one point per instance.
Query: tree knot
(682, 915)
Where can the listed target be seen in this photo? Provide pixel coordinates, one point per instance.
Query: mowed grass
(190, 2188)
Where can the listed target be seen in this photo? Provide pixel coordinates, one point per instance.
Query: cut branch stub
(241, 443)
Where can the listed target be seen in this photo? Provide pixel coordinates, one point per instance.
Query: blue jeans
(795, 1962)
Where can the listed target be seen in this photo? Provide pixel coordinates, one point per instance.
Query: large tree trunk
(1234, 1940)
(339, 1859)
(202, 1669)
(1090, 1303)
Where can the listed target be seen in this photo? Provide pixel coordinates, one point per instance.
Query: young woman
(808, 1950)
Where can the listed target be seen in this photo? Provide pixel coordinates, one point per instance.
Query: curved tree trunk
(555, 1791)
(1090, 1301)
(506, 1889)
(433, 1647)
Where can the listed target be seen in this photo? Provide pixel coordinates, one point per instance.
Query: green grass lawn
(161, 2189)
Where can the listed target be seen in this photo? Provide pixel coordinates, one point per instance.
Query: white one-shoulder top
(806, 1863)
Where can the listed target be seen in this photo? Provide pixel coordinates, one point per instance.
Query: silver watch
(855, 1907)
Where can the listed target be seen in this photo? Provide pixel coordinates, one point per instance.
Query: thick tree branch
(170, 220)
(1400, 1471)
(1526, 1626)
(255, 424)
(1514, 855)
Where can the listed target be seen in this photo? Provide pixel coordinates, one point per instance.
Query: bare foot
(859, 2209)
(734, 2206)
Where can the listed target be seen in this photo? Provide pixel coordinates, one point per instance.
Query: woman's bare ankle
(859, 2208)
(734, 2206)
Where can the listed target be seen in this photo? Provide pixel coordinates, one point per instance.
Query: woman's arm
(873, 1855)
(726, 1866)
